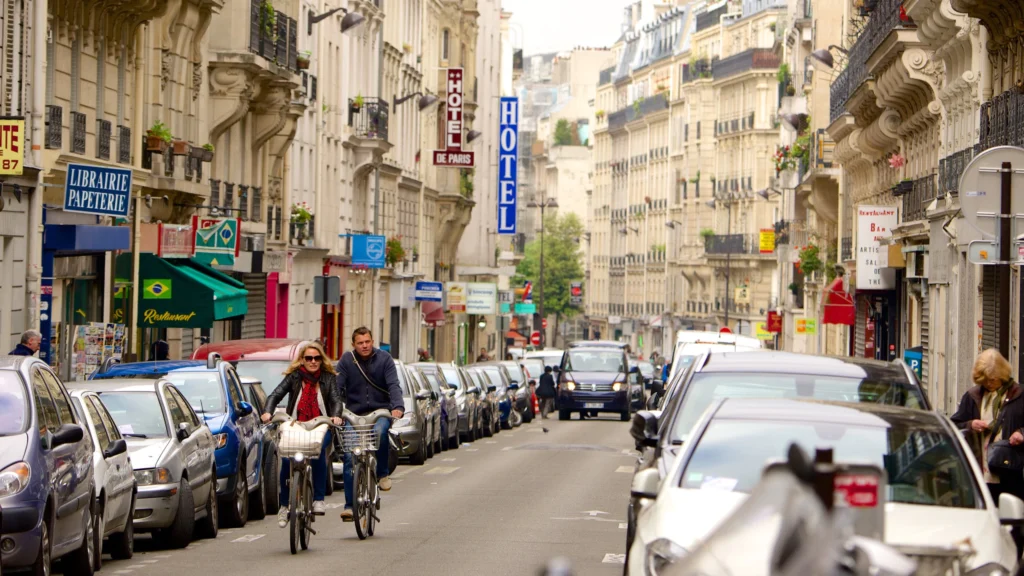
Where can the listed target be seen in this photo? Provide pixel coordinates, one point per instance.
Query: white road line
(123, 572)
(490, 442)
(623, 525)
(150, 561)
(473, 450)
(168, 555)
(448, 460)
(507, 448)
(625, 469)
(614, 559)
(403, 473)
(249, 538)
(334, 505)
(441, 470)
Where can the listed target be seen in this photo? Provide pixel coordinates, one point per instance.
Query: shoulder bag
(1002, 456)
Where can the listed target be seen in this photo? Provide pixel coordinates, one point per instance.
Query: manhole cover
(568, 447)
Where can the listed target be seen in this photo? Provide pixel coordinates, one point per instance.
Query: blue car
(596, 379)
(214, 390)
(500, 378)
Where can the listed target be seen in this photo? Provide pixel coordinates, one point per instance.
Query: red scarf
(308, 407)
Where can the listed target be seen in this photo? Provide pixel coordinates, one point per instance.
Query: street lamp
(824, 55)
(424, 102)
(351, 19)
(547, 203)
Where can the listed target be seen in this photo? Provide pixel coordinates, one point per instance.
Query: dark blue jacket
(22, 350)
(362, 397)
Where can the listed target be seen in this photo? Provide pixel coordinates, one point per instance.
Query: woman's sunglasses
(313, 358)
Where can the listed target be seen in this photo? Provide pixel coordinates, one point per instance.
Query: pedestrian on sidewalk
(483, 357)
(546, 393)
(29, 345)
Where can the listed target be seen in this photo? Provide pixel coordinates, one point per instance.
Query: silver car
(416, 427)
(172, 451)
(467, 397)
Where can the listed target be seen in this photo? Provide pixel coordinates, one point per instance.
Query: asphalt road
(503, 505)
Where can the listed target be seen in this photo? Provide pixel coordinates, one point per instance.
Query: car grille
(593, 387)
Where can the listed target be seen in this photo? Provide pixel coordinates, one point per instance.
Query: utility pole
(376, 178)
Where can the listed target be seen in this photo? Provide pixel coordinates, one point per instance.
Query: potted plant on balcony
(599, 114)
(301, 213)
(706, 233)
(790, 90)
(902, 187)
(268, 20)
(207, 152)
(393, 251)
(302, 59)
(195, 152)
(181, 146)
(810, 262)
(794, 288)
(407, 48)
(357, 103)
(158, 137)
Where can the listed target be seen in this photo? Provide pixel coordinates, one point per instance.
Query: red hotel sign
(453, 155)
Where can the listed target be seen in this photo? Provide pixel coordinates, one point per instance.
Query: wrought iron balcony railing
(103, 134)
(301, 233)
(914, 202)
(369, 120)
(846, 249)
(697, 69)
(723, 244)
(78, 133)
(54, 127)
(273, 35)
(124, 144)
(951, 168)
(1001, 120)
(755, 58)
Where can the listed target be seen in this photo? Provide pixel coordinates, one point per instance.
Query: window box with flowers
(783, 159)
(393, 251)
(158, 137)
(301, 213)
(810, 261)
(302, 59)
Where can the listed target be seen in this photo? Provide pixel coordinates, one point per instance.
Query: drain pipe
(34, 231)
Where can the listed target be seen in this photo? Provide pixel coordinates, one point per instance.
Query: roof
(252, 349)
(792, 363)
(598, 343)
(126, 385)
(825, 412)
(147, 369)
(14, 362)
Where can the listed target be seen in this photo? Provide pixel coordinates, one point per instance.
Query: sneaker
(384, 484)
(319, 508)
(282, 518)
(346, 515)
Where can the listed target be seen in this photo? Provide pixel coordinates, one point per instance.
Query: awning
(518, 338)
(84, 238)
(183, 293)
(839, 306)
(433, 313)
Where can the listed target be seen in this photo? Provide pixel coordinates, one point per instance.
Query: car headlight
(616, 386)
(570, 385)
(221, 440)
(403, 422)
(152, 476)
(990, 569)
(14, 479)
(660, 554)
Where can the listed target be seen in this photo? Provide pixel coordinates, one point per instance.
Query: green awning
(183, 293)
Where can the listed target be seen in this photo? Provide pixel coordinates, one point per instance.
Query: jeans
(319, 466)
(383, 451)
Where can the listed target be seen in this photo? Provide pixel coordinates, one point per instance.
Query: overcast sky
(540, 26)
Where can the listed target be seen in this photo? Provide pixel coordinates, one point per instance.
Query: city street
(503, 505)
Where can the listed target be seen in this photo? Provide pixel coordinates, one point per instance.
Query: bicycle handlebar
(367, 419)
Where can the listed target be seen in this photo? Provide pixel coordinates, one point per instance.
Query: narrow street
(498, 506)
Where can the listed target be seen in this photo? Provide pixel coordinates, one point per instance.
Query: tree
(563, 133)
(562, 263)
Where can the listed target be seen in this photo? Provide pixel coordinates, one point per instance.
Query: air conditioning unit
(917, 264)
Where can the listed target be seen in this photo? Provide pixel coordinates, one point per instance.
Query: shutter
(860, 327)
(187, 343)
(925, 316)
(254, 323)
(990, 308)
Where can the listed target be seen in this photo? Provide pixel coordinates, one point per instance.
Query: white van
(693, 343)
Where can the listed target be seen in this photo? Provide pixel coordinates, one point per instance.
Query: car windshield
(203, 390)
(137, 414)
(921, 459)
(553, 360)
(269, 372)
(494, 375)
(705, 388)
(451, 375)
(586, 360)
(534, 368)
(14, 417)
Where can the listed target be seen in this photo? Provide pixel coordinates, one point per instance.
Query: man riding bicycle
(310, 384)
(368, 381)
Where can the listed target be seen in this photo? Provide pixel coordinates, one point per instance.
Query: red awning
(519, 339)
(433, 313)
(839, 306)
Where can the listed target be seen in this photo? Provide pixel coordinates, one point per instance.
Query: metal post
(728, 258)
(1005, 239)
(540, 292)
(376, 174)
(323, 310)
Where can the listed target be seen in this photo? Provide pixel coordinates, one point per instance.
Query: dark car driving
(595, 379)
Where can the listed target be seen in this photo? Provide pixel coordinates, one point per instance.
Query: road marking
(593, 512)
(441, 470)
(150, 561)
(595, 519)
(448, 460)
(490, 442)
(162, 556)
(334, 505)
(507, 448)
(249, 538)
(473, 450)
(623, 525)
(625, 469)
(628, 452)
(614, 559)
(123, 571)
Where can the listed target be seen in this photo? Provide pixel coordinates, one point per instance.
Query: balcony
(914, 202)
(302, 233)
(1001, 120)
(697, 70)
(369, 120)
(124, 144)
(273, 35)
(712, 18)
(753, 59)
(605, 77)
(951, 168)
(54, 127)
(721, 244)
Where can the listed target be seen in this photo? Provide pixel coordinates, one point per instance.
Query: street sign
(98, 190)
(508, 155)
(544, 323)
(429, 291)
(12, 145)
(980, 187)
(535, 338)
(327, 290)
(526, 308)
(453, 156)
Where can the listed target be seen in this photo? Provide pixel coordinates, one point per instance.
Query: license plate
(593, 405)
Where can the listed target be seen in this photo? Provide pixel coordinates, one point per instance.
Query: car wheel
(41, 567)
(392, 460)
(122, 545)
(528, 413)
(209, 526)
(624, 416)
(563, 414)
(81, 561)
(97, 536)
(238, 502)
(180, 533)
(272, 483)
(419, 457)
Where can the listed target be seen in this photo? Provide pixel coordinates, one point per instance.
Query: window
(177, 413)
(234, 389)
(60, 397)
(108, 421)
(102, 436)
(14, 404)
(445, 43)
(46, 412)
(190, 415)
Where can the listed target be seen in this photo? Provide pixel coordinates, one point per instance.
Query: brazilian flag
(156, 289)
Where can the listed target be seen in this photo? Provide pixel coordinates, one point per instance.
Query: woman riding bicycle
(310, 384)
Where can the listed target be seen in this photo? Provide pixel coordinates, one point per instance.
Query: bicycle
(302, 441)
(361, 441)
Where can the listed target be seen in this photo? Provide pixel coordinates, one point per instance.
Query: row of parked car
(174, 448)
(727, 412)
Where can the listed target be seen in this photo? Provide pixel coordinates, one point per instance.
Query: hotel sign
(508, 154)
(453, 156)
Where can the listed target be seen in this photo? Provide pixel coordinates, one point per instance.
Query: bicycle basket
(293, 438)
(363, 437)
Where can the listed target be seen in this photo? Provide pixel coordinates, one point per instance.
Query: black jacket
(22, 350)
(546, 388)
(360, 396)
(970, 409)
(292, 385)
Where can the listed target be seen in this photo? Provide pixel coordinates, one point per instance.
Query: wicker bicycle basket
(363, 437)
(294, 438)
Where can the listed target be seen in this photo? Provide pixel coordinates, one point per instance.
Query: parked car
(265, 359)
(213, 389)
(499, 377)
(691, 344)
(521, 398)
(446, 398)
(936, 496)
(595, 379)
(467, 396)
(416, 427)
(490, 417)
(115, 488)
(172, 454)
(269, 457)
(550, 356)
(46, 466)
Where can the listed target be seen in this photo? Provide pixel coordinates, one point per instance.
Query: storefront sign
(807, 326)
(873, 224)
(453, 156)
(761, 331)
(429, 291)
(368, 250)
(508, 155)
(12, 146)
(526, 308)
(174, 241)
(481, 298)
(98, 190)
(456, 296)
(742, 295)
(216, 240)
(774, 322)
(766, 240)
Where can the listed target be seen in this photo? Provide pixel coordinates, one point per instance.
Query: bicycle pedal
(319, 513)
(311, 530)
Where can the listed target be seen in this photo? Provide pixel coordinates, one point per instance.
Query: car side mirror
(116, 447)
(657, 387)
(67, 434)
(645, 484)
(474, 390)
(1011, 509)
(182, 431)
(644, 428)
(423, 395)
(244, 409)
(492, 388)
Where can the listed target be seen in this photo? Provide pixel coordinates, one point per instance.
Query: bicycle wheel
(360, 509)
(307, 510)
(371, 498)
(295, 489)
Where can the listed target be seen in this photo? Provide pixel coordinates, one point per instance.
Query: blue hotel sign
(368, 250)
(98, 190)
(508, 159)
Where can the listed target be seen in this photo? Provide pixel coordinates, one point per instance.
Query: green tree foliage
(563, 263)
(563, 133)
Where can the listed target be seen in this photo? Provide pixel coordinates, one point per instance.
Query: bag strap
(999, 420)
(363, 372)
